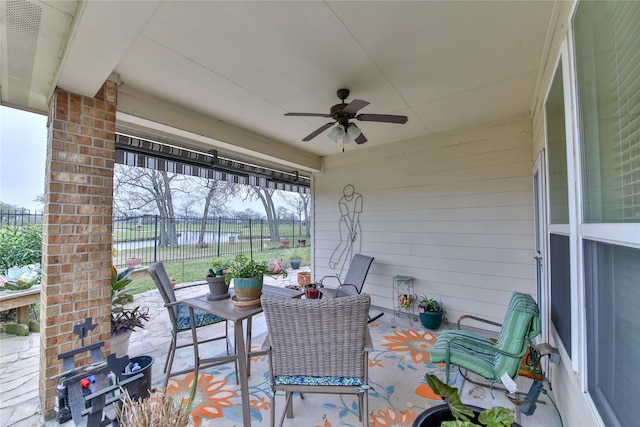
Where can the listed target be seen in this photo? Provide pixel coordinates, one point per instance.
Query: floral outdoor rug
(396, 373)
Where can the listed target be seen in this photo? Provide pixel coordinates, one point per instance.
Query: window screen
(561, 288)
(613, 320)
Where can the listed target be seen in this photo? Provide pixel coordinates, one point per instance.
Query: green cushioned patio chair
(317, 346)
(488, 358)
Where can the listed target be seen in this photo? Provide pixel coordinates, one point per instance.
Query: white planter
(120, 343)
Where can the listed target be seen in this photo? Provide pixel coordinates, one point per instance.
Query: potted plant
(431, 313)
(124, 319)
(295, 257)
(311, 290)
(304, 278)
(247, 276)
(218, 287)
(218, 267)
(275, 266)
(454, 413)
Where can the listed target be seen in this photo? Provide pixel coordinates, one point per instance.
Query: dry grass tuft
(155, 411)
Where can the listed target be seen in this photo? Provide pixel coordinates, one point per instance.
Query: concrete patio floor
(19, 355)
(19, 359)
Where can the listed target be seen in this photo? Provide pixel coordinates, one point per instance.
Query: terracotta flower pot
(132, 262)
(304, 278)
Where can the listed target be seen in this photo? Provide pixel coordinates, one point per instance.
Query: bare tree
(265, 195)
(139, 190)
(300, 204)
(217, 193)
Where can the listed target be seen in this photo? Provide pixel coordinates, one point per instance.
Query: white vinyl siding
(454, 211)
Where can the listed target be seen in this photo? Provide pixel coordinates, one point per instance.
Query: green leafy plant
(217, 268)
(124, 318)
(496, 416)
(430, 305)
(295, 253)
(20, 245)
(243, 267)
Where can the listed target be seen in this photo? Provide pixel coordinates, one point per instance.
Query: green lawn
(196, 270)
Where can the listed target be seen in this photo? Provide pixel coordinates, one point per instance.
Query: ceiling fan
(342, 113)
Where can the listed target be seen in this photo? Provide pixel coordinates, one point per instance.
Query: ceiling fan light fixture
(351, 134)
(337, 133)
(353, 131)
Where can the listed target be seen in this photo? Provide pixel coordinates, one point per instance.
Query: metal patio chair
(181, 319)
(317, 346)
(488, 358)
(353, 280)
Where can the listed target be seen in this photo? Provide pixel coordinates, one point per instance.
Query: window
(613, 322)
(557, 145)
(561, 288)
(607, 49)
(607, 59)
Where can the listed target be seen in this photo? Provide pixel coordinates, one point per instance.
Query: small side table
(404, 298)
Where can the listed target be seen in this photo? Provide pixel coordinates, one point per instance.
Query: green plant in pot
(218, 287)
(454, 413)
(312, 291)
(218, 266)
(295, 257)
(124, 318)
(431, 313)
(247, 276)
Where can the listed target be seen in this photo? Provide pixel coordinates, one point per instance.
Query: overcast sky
(23, 151)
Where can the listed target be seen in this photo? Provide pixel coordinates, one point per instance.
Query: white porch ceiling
(241, 65)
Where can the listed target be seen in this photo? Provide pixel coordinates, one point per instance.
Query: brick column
(77, 226)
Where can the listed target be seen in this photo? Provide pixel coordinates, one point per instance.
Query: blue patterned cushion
(202, 317)
(311, 380)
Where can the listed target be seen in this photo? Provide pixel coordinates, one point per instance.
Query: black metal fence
(19, 218)
(153, 238)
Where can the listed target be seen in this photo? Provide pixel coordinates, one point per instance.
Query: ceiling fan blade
(387, 118)
(308, 114)
(361, 139)
(317, 131)
(355, 106)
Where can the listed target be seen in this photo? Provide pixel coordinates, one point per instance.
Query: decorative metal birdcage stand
(404, 298)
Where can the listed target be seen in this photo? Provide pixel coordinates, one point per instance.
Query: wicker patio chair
(317, 346)
(488, 358)
(181, 319)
